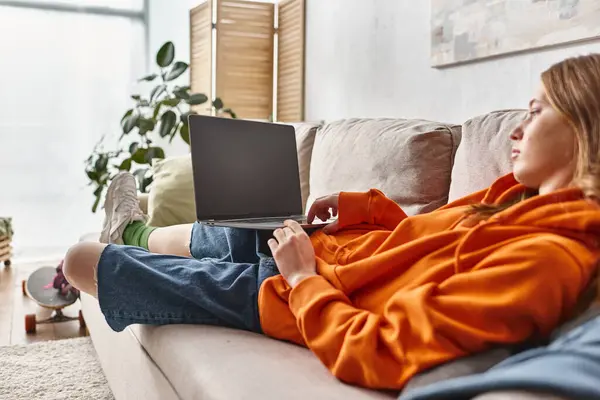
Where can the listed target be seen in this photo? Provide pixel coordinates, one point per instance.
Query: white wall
(371, 58)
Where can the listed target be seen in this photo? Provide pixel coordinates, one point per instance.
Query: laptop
(246, 173)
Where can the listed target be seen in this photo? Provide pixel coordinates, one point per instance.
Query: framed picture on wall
(467, 30)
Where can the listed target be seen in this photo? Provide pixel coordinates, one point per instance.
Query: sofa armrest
(143, 199)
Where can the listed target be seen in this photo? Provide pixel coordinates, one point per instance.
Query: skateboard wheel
(23, 285)
(30, 323)
(82, 323)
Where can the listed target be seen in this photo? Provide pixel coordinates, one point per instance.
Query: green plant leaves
(130, 122)
(148, 78)
(197, 98)
(125, 165)
(230, 112)
(154, 152)
(145, 156)
(93, 175)
(165, 55)
(145, 125)
(157, 91)
(101, 163)
(156, 111)
(143, 180)
(127, 114)
(184, 132)
(171, 102)
(173, 134)
(145, 183)
(133, 147)
(181, 94)
(98, 193)
(176, 71)
(161, 106)
(139, 156)
(218, 103)
(167, 122)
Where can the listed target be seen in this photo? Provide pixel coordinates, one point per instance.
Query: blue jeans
(218, 286)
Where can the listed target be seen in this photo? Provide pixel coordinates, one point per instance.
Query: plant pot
(5, 250)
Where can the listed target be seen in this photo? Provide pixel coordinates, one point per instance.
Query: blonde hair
(572, 87)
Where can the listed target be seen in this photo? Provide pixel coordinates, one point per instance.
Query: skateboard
(38, 287)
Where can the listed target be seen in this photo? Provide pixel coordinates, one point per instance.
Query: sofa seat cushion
(409, 160)
(206, 362)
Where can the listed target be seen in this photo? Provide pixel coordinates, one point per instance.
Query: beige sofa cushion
(484, 151)
(409, 160)
(171, 199)
(209, 363)
(305, 139)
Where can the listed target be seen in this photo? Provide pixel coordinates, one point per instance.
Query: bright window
(135, 5)
(65, 80)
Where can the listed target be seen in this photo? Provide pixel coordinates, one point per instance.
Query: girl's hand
(320, 208)
(293, 252)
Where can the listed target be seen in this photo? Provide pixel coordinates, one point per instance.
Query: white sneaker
(122, 207)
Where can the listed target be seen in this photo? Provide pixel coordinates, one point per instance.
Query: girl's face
(544, 147)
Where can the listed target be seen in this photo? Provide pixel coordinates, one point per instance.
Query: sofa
(420, 164)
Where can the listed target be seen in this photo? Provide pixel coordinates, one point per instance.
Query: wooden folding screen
(201, 53)
(245, 32)
(290, 77)
(245, 57)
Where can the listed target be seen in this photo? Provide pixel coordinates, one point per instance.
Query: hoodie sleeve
(371, 207)
(520, 290)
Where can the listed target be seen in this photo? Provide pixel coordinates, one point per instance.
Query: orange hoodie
(396, 295)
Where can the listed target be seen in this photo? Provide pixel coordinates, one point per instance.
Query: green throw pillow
(171, 200)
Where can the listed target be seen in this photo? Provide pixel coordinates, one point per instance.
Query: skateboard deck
(39, 288)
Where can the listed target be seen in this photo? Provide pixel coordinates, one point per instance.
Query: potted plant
(163, 112)
(6, 233)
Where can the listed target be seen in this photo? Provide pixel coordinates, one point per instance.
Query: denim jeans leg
(138, 287)
(225, 244)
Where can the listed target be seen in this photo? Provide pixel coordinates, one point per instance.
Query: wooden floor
(14, 306)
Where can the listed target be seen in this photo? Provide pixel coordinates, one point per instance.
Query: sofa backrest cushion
(484, 151)
(408, 160)
(305, 139)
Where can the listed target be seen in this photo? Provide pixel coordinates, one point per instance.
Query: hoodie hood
(565, 210)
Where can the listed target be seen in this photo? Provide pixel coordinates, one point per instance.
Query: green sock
(137, 234)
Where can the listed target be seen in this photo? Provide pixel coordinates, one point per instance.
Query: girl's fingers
(293, 226)
(273, 245)
(279, 235)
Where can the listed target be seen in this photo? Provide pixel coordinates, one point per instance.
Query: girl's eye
(533, 113)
